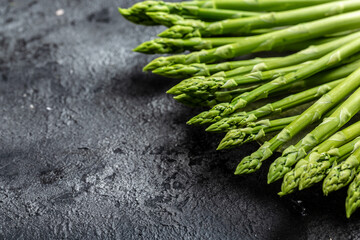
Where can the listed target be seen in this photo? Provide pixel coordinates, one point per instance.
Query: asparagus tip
(273, 178)
(248, 165)
(212, 128)
(281, 194)
(194, 120)
(229, 84)
(173, 91)
(123, 11)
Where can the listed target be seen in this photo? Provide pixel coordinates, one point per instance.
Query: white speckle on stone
(48, 108)
(32, 106)
(60, 12)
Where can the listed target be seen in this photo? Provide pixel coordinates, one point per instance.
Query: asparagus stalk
(254, 132)
(246, 66)
(169, 45)
(239, 119)
(199, 85)
(341, 175)
(353, 197)
(194, 12)
(327, 61)
(284, 164)
(340, 117)
(138, 12)
(264, 42)
(212, 99)
(326, 102)
(245, 25)
(319, 162)
(202, 69)
(265, 5)
(262, 76)
(232, 121)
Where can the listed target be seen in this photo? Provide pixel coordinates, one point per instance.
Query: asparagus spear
(264, 42)
(319, 162)
(284, 164)
(194, 12)
(341, 175)
(137, 13)
(316, 80)
(212, 99)
(252, 163)
(199, 85)
(245, 25)
(239, 119)
(254, 132)
(327, 61)
(202, 69)
(169, 45)
(265, 5)
(262, 76)
(353, 196)
(340, 117)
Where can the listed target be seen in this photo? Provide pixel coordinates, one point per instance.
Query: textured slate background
(91, 147)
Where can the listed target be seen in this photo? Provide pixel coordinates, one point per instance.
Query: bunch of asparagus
(311, 92)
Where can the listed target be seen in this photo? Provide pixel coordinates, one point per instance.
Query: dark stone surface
(91, 147)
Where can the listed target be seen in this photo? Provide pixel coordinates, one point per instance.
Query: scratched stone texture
(91, 147)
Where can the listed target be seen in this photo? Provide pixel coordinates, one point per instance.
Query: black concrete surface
(92, 148)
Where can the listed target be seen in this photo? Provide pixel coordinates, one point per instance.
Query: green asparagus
(264, 42)
(320, 162)
(340, 117)
(199, 85)
(239, 119)
(353, 197)
(245, 25)
(258, 130)
(284, 164)
(325, 62)
(313, 113)
(341, 175)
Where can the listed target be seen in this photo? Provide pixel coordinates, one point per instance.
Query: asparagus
(242, 118)
(197, 13)
(262, 76)
(264, 42)
(254, 132)
(327, 61)
(169, 45)
(283, 165)
(202, 69)
(326, 102)
(320, 161)
(138, 12)
(170, 20)
(159, 12)
(353, 196)
(245, 25)
(316, 80)
(340, 117)
(212, 99)
(265, 5)
(199, 85)
(341, 175)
